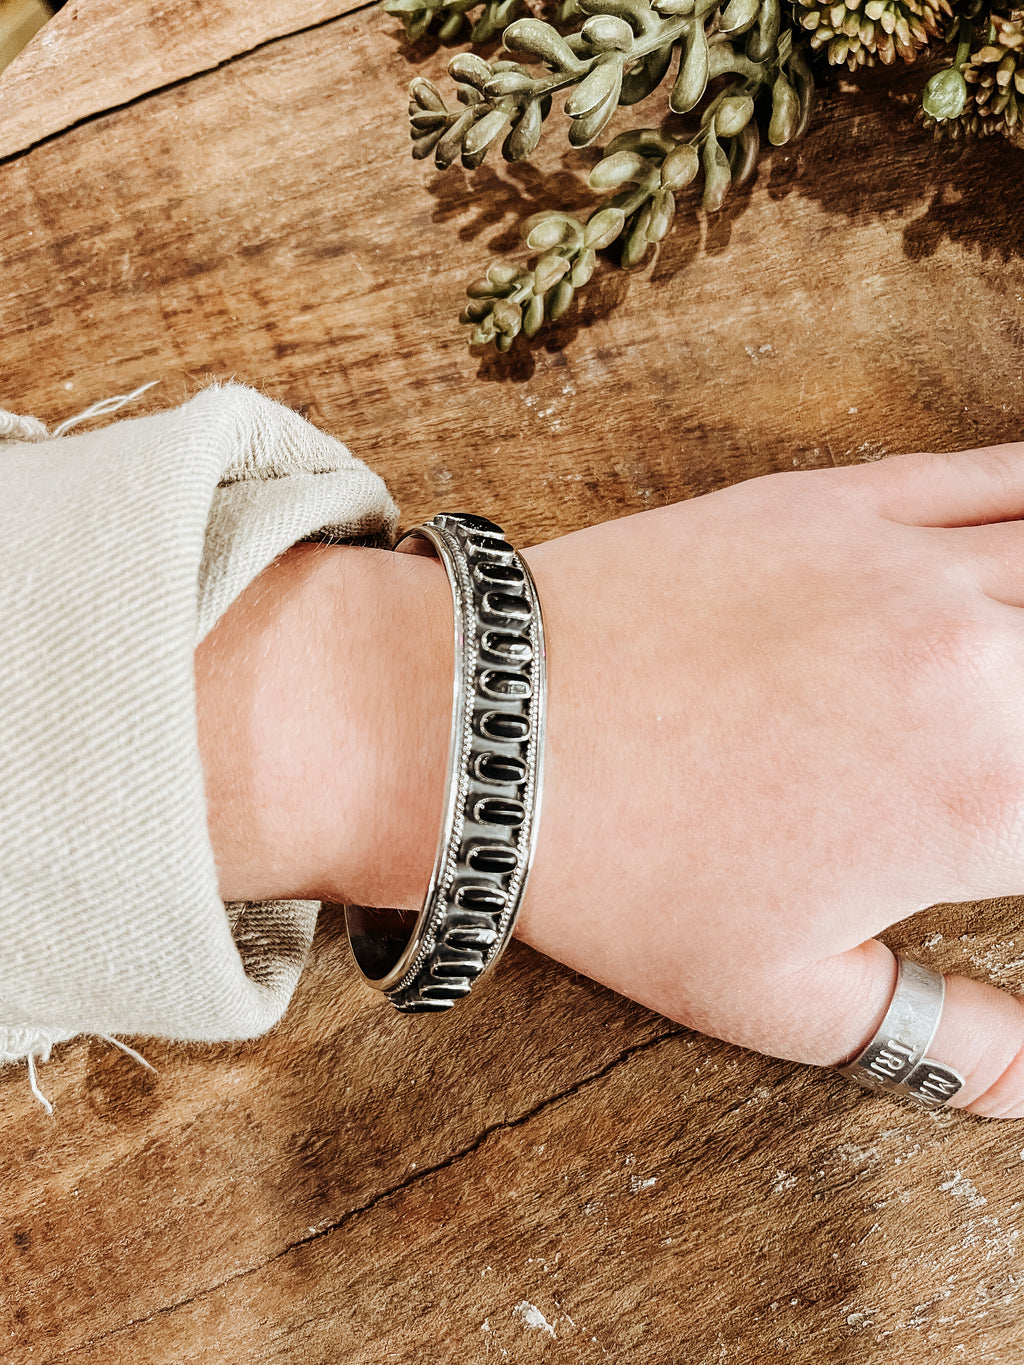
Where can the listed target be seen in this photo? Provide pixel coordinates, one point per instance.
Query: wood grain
(359, 1187)
(62, 78)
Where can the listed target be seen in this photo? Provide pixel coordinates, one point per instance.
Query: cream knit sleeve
(119, 550)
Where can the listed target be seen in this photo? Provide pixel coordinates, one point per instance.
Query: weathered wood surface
(552, 1173)
(97, 55)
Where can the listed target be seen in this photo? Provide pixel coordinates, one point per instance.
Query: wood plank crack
(163, 88)
(454, 1159)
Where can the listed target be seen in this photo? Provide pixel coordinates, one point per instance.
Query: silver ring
(896, 1060)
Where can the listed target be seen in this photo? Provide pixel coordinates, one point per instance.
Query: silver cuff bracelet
(492, 795)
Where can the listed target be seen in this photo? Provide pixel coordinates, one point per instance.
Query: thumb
(980, 1033)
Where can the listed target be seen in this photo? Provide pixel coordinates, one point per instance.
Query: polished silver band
(896, 1058)
(492, 798)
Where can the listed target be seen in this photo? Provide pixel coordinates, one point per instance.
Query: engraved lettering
(888, 1062)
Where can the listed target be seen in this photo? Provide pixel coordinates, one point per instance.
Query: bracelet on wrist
(492, 792)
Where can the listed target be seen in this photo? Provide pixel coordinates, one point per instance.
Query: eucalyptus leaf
(607, 33)
(540, 39)
(603, 82)
(785, 112)
(583, 130)
(692, 80)
(646, 76)
(680, 167)
(717, 175)
(613, 171)
(560, 299)
(603, 228)
(522, 140)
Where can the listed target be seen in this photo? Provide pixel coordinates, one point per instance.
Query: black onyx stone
(501, 575)
(503, 727)
(474, 523)
(511, 685)
(505, 608)
(487, 898)
(499, 810)
(450, 960)
(494, 858)
(480, 936)
(498, 768)
(506, 646)
(490, 545)
(434, 992)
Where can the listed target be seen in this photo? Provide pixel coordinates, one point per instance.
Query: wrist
(324, 707)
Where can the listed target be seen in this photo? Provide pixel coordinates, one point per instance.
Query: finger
(994, 555)
(980, 1033)
(966, 488)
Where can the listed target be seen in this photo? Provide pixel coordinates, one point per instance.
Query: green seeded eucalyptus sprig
(735, 65)
(620, 55)
(643, 169)
(448, 18)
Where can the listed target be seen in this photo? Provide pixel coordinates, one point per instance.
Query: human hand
(783, 717)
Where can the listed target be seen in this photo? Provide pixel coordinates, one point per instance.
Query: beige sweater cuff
(119, 550)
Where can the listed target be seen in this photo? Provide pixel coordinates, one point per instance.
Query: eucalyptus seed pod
(717, 175)
(540, 39)
(425, 142)
(733, 114)
(743, 154)
(451, 28)
(508, 83)
(583, 267)
(635, 243)
(803, 80)
(739, 16)
(480, 138)
(475, 311)
(785, 112)
(583, 130)
(548, 232)
(646, 141)
(522, 140)
(570, 230)
(503, 276)
(692, 80)
(508, 316)
(559, 300)
(424, 95)
(762, 40)
(723, 60)
(607, 33)
(646, 76)
(604, 79)
(448, 147)
(663, 208)
(469, 69)
(603, 228)
(548, 271)
(533, 318)
(613, 171)
(493, 19)
(680, 167)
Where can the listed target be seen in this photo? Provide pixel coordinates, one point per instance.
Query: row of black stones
(485, 872)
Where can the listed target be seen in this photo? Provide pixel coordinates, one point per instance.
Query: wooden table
(190, 192)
